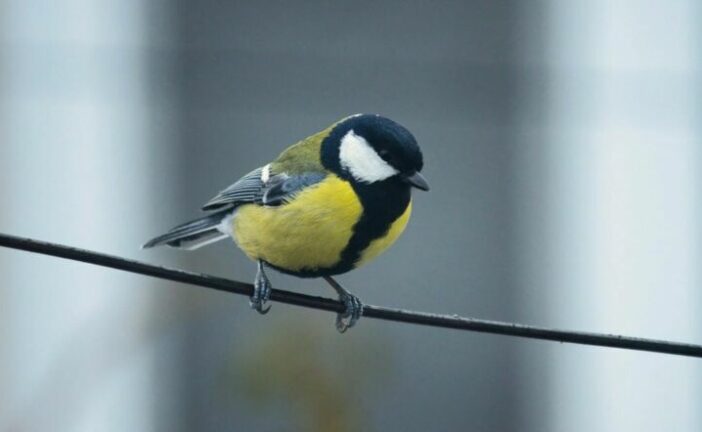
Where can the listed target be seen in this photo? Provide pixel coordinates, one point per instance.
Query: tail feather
(194, 234)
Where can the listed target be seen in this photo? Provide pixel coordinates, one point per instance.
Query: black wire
(369, 311)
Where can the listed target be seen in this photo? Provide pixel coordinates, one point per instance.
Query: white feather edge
(198, 245)
(266, 173)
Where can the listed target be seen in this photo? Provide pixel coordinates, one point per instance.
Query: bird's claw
(354, 309)
(262, 292)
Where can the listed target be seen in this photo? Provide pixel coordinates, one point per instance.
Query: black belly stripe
(383, 203)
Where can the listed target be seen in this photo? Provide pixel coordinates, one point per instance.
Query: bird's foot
(262, 291)
(354, 310)
(353, 307)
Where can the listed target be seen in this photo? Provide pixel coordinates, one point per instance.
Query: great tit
(328, 204)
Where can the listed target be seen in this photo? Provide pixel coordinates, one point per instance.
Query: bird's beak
(417, 180)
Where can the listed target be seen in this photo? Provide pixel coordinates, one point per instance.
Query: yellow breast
(309, 232)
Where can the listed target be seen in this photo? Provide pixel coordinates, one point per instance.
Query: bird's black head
(368, 148)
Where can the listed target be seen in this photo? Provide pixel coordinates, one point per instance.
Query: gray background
(562, 144)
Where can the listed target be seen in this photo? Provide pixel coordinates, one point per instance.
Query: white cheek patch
(364, 164)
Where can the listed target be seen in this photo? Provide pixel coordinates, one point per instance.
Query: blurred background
(562, 143)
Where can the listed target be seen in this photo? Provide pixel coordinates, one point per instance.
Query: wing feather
(247, 189)
(278, 189)
(281, 191)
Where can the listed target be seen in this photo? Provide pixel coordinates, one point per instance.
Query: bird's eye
(383, 153)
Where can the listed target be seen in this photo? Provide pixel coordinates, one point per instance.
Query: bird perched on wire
(327, 205)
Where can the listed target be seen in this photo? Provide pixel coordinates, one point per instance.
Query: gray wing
(247, 189)
(283, 188)
(277, 190)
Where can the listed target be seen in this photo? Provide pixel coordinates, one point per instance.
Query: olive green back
(304, 156)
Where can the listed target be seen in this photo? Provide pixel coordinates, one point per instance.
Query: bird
(328, 204)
